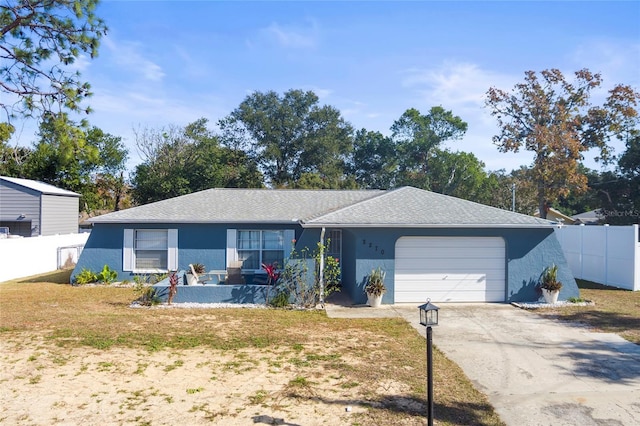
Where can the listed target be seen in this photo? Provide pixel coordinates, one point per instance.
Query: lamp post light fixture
(429, 318)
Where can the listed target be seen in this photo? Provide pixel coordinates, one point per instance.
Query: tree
(289, 136)
(620, 194)
(108, 173)
(39, 40)
(11, 159)
(459, 174)
(373, 162)
(179, 161)
(73, 157)
(554, 119)
(417, 136)
(62, 156)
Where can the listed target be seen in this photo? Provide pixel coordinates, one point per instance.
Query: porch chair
(234, 273)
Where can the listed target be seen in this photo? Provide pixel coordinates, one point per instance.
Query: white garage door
(450, 269)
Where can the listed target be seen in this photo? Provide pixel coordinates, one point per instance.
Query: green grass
(307, 347)
(614, 310)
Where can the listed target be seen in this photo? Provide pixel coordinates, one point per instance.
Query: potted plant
(549, 284)
(375, 287)
(194, 272)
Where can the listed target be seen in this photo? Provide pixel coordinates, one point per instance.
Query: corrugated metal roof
(41, 187)
(407, 207)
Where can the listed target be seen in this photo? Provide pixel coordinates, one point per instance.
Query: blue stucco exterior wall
(528, 253)
(236, 294)
(197, 243)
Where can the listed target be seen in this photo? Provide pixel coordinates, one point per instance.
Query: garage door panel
(445, 242)
(448, 253)
(411, 268)
(450, 269)
(450, 296)
(444, 278)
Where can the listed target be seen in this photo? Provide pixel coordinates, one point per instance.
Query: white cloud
(81, 63)
(456, 84)
(128, 56)
(618, 62)
(461, 87)
(295, 37)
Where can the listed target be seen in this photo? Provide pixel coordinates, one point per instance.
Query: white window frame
(232, 245)
(129, 252)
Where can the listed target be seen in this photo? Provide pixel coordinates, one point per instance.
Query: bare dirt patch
(74, 355)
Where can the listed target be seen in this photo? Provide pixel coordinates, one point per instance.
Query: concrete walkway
(534, 370)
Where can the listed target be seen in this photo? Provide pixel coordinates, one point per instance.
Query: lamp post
(429, 318)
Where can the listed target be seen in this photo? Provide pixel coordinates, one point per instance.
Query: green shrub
(107, 275)
(300, 277)
(280, 300)
(86, 276)
(148, 296)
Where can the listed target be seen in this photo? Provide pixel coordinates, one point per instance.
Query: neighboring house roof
(41, 187)
(556, 216)
(404, 206)
(592, 217)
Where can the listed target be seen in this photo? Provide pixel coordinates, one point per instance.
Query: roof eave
(132, 221)
(430, 225)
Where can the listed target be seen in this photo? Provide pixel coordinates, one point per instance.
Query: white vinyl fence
(22, 257)
(603, 254)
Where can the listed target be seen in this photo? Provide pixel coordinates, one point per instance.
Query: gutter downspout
(321, 279)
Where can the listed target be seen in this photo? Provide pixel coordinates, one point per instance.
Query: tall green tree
(417, 136)
(374, 162)
(621, 201)
(459, 174)
(12, 159)
(181, 160)
(110, 187)
(289, 136)
(72, 156)
(555, 119)
(39, 40)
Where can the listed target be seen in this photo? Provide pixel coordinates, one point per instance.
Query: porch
(211, 288)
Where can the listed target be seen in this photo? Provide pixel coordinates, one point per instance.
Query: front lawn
(82, 354)
(615, 311)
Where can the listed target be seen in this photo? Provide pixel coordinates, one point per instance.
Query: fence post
(606, 254)
(582, 228)
(636, 259)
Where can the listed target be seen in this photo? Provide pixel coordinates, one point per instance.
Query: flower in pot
(194, 272)
(549, 284)
(375, 287)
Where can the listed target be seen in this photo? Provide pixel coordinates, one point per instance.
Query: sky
(168, 63)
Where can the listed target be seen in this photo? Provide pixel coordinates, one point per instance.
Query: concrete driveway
(535, 371)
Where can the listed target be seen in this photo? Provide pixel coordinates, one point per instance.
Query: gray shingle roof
(407, 206)
(226, 205)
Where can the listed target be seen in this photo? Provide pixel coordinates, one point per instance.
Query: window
(258, 247)
(150, 246)
(150, 250)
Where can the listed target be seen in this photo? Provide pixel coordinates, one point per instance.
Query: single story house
(31, 208)
(430, 245)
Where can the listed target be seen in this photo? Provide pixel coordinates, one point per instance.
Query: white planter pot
(550, 296)
(191, 279)
(374, 301)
